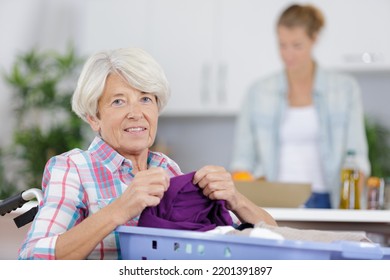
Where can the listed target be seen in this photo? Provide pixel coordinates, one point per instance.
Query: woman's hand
(217, 184)
(146, 189)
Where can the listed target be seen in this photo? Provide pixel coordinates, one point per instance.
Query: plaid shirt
(76, 185)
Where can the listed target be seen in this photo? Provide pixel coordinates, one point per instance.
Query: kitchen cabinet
(178, 34)
(354, 38)
(212, 50)
(209, 49)
(108, 24)
(182, 41)
(246, 42)
(245, 48)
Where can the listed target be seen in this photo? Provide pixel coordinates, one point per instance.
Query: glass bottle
(373, 193)
(350, 191)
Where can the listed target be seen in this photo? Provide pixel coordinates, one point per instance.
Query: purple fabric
(185, 207)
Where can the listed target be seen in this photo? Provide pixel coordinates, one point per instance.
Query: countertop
(375, 223)
(300, 214)
(330, 215)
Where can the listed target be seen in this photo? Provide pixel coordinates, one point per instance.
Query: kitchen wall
(193, 140)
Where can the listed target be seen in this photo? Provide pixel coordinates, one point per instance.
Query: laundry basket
(141, 243)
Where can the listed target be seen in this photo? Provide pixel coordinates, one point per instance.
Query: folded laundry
(184, 206)
(315, 235)
(247, 231)
(263, 230)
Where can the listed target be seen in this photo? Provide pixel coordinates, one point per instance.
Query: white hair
(133, 64)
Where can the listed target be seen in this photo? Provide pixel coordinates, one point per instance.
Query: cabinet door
(178, 34)
(356, 35)
(247, 48)
(182, 41)
(114, 24)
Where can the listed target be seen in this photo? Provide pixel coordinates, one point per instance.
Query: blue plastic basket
(141, 243)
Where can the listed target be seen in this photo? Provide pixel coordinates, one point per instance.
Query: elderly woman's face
(127, 118)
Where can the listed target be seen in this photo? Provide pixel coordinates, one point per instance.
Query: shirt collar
(114, 160)
(319, 81)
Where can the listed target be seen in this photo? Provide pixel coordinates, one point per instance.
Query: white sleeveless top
(299, 160)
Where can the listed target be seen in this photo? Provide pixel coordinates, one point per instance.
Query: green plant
(6, 188)
(42, 84)
(378, 139)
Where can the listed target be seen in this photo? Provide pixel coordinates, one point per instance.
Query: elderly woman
(87, 194)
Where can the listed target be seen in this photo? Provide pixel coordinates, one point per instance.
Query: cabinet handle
(222, 77)
(205, 84)
(365, 57)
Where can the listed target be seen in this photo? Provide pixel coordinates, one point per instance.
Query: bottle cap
(374, 182)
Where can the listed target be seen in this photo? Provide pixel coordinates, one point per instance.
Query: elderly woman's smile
(135, 129)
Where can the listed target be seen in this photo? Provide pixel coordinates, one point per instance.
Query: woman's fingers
(152, 176)
(216, 182)
(210, 173)
(147, 189)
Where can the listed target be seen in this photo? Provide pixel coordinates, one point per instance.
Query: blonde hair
(307, 16)
(135, 65)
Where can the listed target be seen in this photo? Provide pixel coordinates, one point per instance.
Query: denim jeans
(318, 200)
